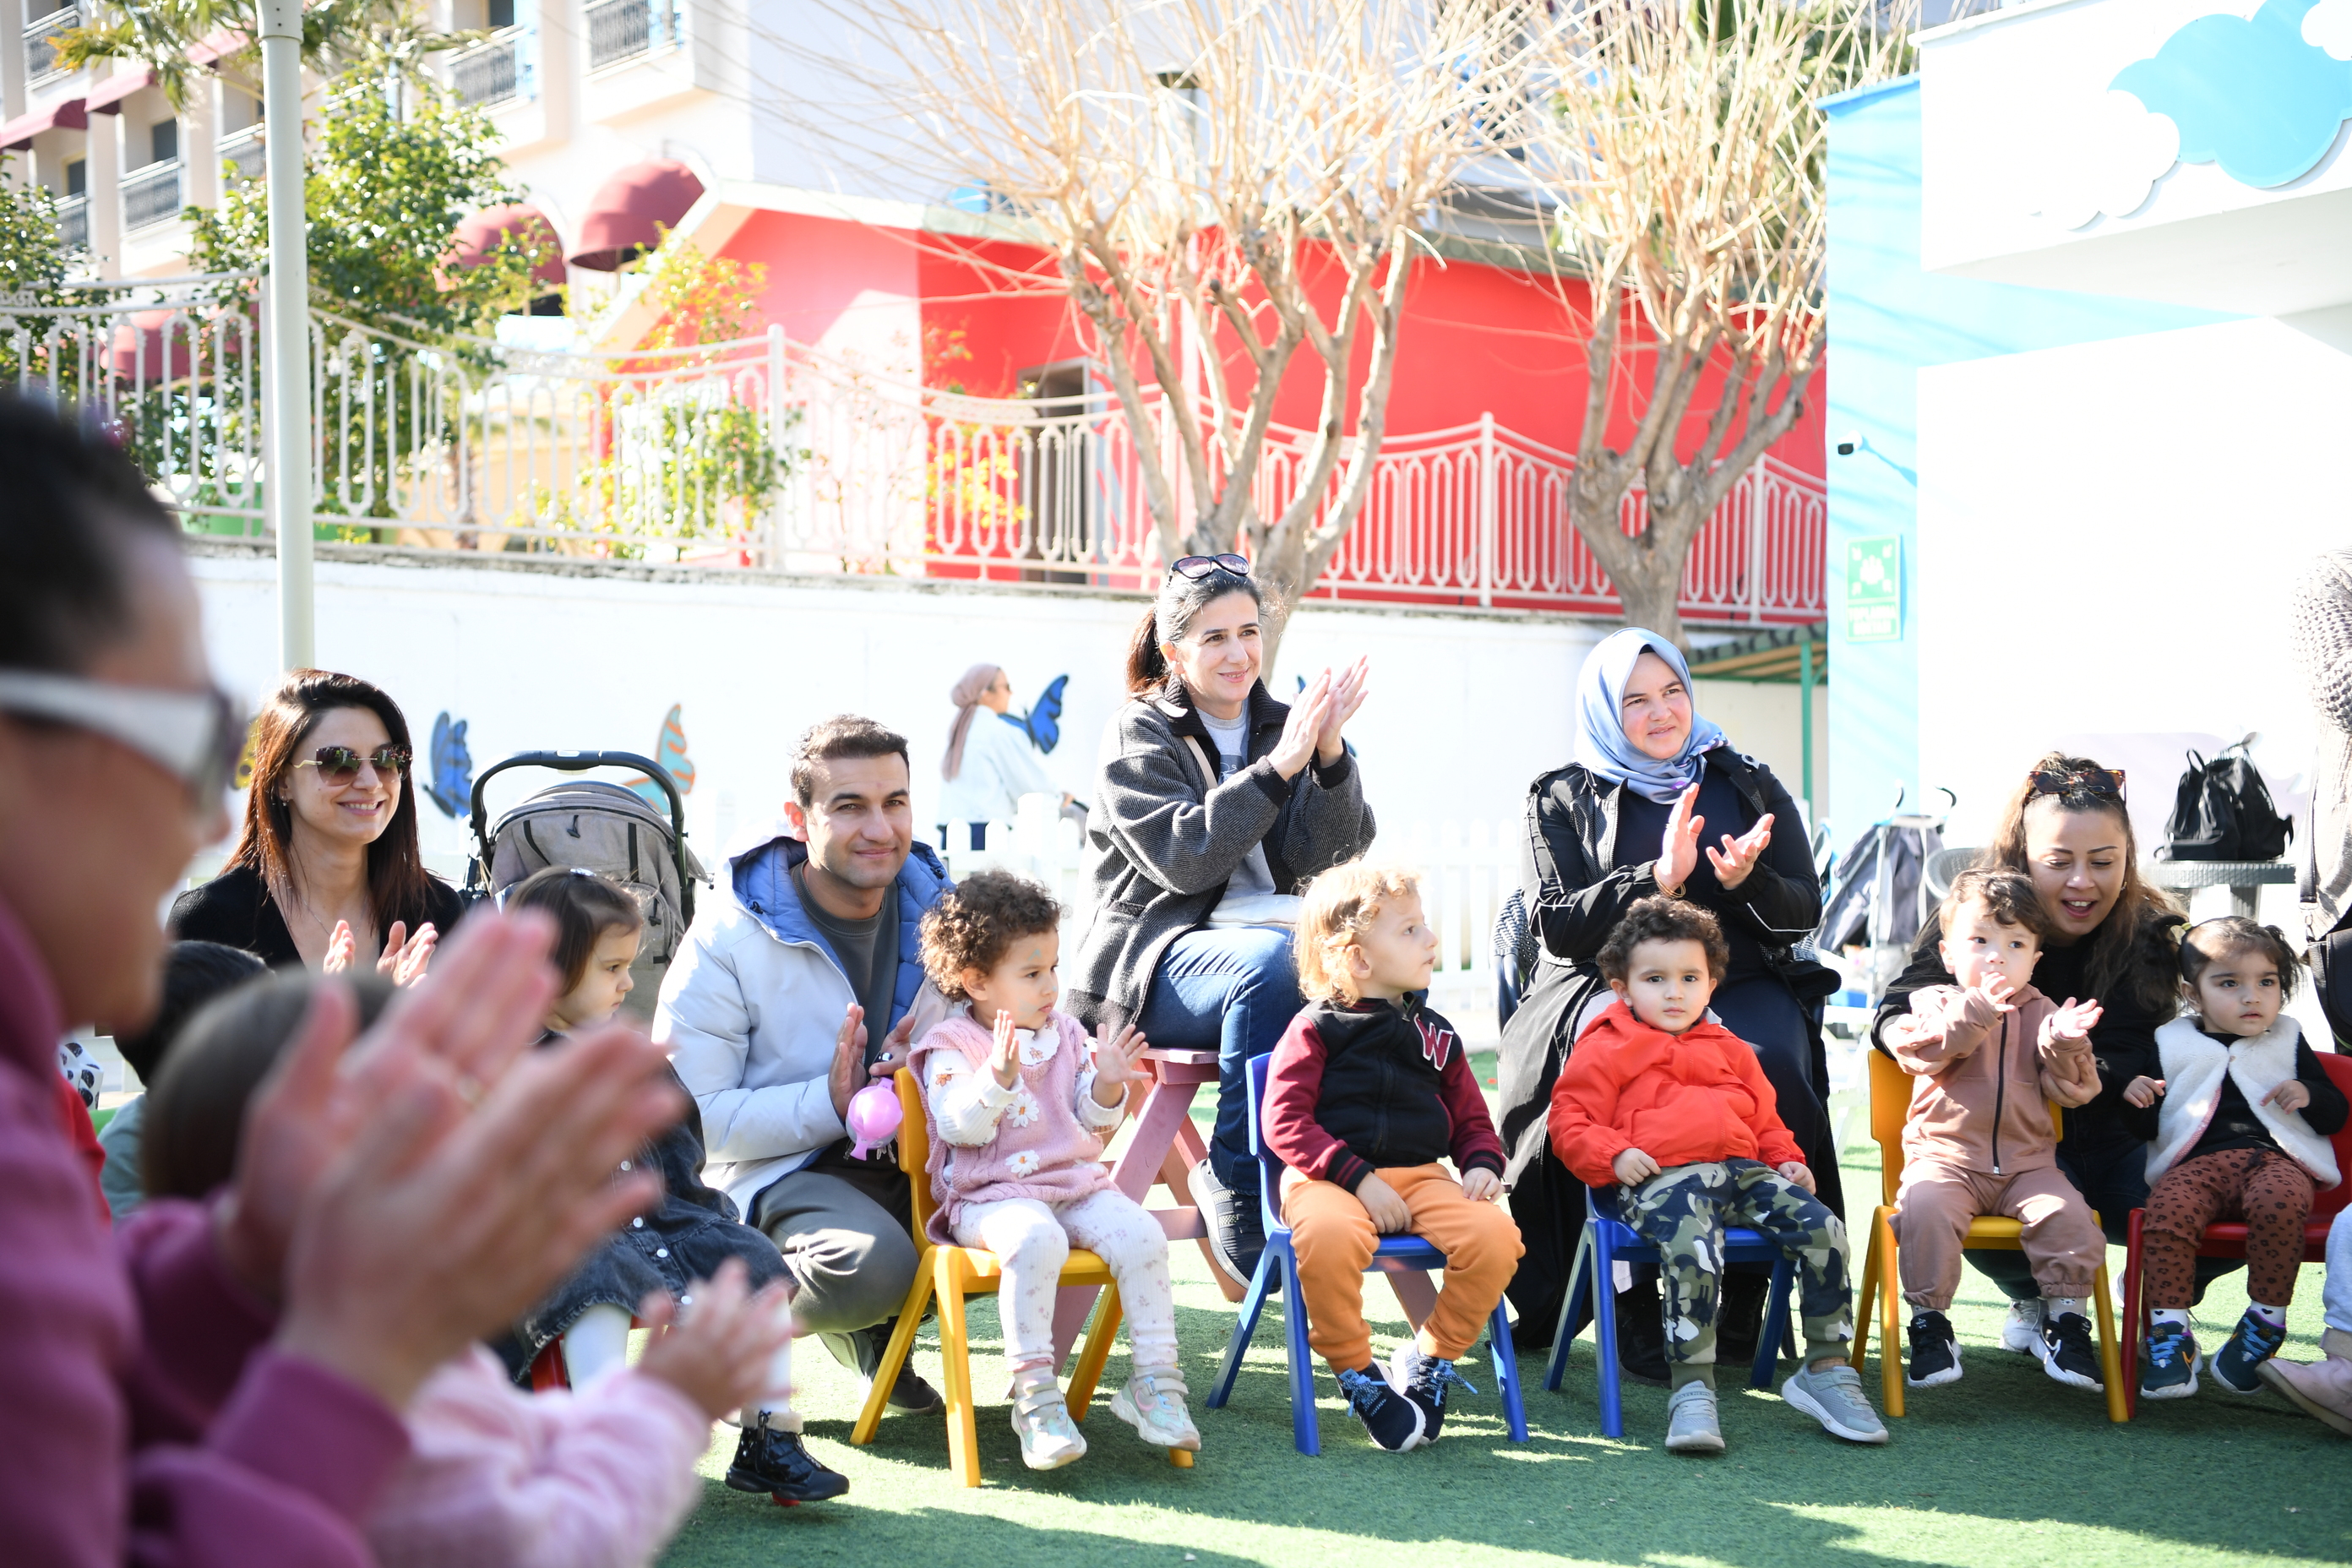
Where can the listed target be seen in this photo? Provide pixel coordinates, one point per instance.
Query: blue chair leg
(1775, 1312)
(1245, 1328)
(1604, 1320)
(1556, 1367)
(1302, 1366)
(1506, 1372)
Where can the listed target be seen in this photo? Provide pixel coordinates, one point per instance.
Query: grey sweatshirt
(2322, 639)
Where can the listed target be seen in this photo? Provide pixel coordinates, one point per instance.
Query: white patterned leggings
(1032, 1240)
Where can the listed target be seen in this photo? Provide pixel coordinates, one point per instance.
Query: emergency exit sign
(1873, 590)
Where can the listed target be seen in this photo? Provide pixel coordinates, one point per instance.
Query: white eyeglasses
(195, 736)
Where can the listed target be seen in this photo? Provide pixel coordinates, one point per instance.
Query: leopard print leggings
(2266, 1189)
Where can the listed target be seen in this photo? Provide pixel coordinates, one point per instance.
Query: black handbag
(2222, 811)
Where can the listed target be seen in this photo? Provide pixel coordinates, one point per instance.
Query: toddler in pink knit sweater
(1018, 1114)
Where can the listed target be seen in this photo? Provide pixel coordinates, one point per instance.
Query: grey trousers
(847, 1237)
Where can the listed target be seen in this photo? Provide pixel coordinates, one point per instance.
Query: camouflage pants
(1683, 1211)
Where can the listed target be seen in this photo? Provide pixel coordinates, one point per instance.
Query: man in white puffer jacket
(800, 979)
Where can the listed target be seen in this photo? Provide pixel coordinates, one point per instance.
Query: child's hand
(1004, 1055)
(1116, 1059)
(716, 1352)
(1633, 1167)
(2289, 1096)
(1997, 990)
(2074, 1020)
(341, 947)
(2144, 1092)
(403, 962)
(1796, 1171)
(1389, 1216)
(1480, 1184)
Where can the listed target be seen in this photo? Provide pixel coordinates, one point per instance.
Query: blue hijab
(1602, 745)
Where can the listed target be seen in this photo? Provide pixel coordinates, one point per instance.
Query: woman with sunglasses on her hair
(2110, 937)
(1213, 803)
(326, 874)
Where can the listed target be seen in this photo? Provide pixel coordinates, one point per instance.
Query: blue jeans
(1233, 990)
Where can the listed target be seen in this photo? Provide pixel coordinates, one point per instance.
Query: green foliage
(33, 256)
(387, 39)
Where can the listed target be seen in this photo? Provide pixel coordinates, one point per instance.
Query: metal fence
(489, 72)
(151, 195)
(622, 29)
(767, 453)
(41, 40)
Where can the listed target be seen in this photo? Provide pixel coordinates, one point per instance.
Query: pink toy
(874, 1117)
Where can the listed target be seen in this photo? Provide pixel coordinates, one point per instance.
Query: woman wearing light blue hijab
(1657, 801)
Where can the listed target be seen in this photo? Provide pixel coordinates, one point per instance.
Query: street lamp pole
(286, 381)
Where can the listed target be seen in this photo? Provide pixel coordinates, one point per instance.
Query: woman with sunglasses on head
(326, 873)
(1214, 803)
(2110, 937)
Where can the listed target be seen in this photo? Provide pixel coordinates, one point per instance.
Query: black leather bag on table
(2222, 811)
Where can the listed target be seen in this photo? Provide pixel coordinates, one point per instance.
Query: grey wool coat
(1163, 841)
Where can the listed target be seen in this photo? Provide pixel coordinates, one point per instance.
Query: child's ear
(974, 981)
(1943, 952)
(1358, 964)
(1619, 987)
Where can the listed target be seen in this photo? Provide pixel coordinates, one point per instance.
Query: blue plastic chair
(1609, 1241)
(1278, 1270)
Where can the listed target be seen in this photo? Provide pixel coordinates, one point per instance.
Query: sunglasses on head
(1196, 567)
(340, 764)
(2108, 782)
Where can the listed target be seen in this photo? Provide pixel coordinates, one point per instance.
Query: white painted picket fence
(1466, 870)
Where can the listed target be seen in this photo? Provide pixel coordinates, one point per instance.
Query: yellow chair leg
(1089, 1370)
(894, 1355)
(1890, 1344)
(2111, 1365)
(1865, 1300)
(964, 1434)
(1180, 1458)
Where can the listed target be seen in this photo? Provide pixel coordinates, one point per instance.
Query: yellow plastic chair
(955, 1273)
(1890, 1103)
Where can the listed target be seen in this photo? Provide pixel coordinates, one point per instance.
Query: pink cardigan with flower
(1040, 1150)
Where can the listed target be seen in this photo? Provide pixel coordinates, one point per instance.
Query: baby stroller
(1883, 896)
(599, 826)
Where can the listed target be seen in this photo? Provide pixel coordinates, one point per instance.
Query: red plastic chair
(547, 1368)
(2227, 1240)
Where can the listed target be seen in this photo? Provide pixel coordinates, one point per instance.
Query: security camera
(1851, 443)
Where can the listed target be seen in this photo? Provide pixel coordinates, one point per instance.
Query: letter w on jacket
(1359, 1086)
(1680, 1099)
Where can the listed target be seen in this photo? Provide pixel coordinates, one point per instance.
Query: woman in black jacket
(326, 874)
(1656, 802)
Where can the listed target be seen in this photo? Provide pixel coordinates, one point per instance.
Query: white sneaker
(2021, 1330)
(1691, 1425)
(1049, 1439)
(1153, 1404)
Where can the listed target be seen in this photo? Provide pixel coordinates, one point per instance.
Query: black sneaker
(2168, 1368)
(2236, 1366)
(861, 1351)
(1423, 1379)
(1395, 1421)
(1237, 1227)
(768, 1460)
(1641, 1333)
(2068, 1354)
(1934, 1353)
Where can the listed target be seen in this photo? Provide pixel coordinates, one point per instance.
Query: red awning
(107, 96)
(65, 116)
(219, 46)
(480, 234)
(150, 347)
(623, 216)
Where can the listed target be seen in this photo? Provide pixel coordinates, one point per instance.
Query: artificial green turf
(2005, 1467)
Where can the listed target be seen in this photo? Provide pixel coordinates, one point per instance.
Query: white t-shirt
(1231, 737)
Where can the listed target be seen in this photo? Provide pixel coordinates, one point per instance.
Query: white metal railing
(40, 41)
(243, 151)
(73, 222)
(493, 71)
(151, 195)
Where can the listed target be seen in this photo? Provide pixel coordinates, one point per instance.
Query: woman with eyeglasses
(1657, 801)
(326, 873)
(2111, 936)
(1214, 803)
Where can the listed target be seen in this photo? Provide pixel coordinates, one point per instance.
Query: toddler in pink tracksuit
(1018, 1115)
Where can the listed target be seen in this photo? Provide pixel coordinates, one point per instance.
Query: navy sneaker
(1934, 1353)
(1423, 1379)
(2068, 1352)
(2236, 1365)
(2169, 1370)
(1395, 1421)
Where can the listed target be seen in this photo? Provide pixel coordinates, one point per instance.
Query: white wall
(2108, 534)
(1763, 720)
(1464, 710)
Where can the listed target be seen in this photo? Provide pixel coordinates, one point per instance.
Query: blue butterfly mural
(452, 785)
(670, 750)
(1043, 721)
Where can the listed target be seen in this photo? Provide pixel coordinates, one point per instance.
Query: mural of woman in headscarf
(990, 764)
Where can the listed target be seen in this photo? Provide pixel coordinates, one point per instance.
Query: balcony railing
(40, 36)
(151, 195)
(242, 150)
(73, 223)
(491, 72)
(622, 29)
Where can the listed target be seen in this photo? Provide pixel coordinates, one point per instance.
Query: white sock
(2178, 1317)
(2055, 1306)
(2274, 1316)
(596, 1343)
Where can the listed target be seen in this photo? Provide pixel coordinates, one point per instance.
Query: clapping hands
(1118, 1062)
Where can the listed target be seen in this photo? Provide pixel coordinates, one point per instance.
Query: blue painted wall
(1887, 319)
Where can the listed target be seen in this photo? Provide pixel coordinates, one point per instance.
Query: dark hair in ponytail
(1181, 599)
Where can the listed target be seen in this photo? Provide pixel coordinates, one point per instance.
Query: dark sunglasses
(2108, 782)
(1196, 567)
(339, 765)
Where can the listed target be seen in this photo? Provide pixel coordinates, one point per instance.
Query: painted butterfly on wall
(1043, 722)
(670, 750)
(452, 785)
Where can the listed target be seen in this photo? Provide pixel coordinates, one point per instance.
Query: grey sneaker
(1833, 1398)
(1691, 1426)
(2021, 1330)
(1153, 1404)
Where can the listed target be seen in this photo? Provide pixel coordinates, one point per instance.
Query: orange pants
(1335, 1239)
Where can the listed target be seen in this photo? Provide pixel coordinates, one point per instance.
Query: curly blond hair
(1335, 911)
(976, 922)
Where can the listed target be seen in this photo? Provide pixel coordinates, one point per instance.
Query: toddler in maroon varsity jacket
(1369, 1091)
